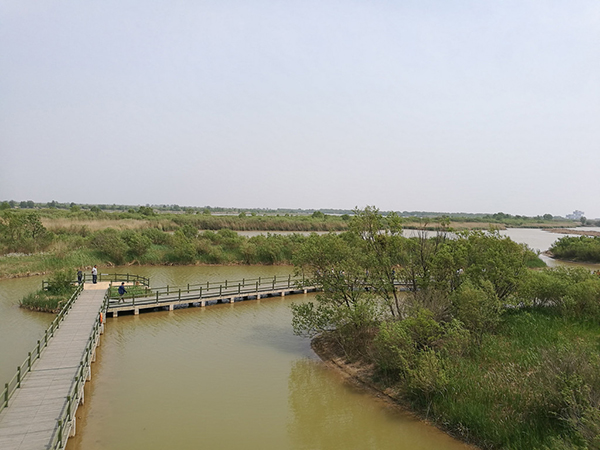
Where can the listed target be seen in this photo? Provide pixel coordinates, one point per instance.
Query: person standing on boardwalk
(122, 292)
(94, 275)
(79, 276)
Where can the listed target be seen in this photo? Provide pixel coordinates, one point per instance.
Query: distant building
(576, 215)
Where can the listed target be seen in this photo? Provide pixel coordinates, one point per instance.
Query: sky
(406, 105)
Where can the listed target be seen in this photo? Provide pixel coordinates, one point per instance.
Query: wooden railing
(208, 290)
(34, 355)
(127, 277)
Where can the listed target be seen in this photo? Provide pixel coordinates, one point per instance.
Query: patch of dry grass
(54, 224)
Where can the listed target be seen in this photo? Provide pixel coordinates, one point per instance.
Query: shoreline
(360, 375)
(10, 276)
(569, 231)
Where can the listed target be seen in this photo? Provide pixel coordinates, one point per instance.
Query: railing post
(179, 294)
(239, 288)
(60, 433)
(220, 290)
(257, 286)
(243, 282)
(156, 296)
(39, 349)
(19, 376)
(29, 362)
(5, 395)
(188, 291)
(200, 292)
(167, 289)
(225, 284)
(289, 280)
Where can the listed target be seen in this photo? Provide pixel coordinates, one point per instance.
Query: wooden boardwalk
(53, 388)
(202, 295)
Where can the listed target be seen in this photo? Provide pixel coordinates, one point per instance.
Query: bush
(138, 243)
(479, 309)
(61, 283)
(109, 243)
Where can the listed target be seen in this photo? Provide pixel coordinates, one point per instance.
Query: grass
(132, 291)
(46, 300)
(510, 393)
(48, 262)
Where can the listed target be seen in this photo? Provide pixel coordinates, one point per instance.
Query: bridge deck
(196, 297)
(30, 421)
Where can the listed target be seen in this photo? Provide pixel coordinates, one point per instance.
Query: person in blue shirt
(122, 292)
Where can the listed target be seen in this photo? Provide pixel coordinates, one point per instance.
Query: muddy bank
(362, 376)
(577, 232)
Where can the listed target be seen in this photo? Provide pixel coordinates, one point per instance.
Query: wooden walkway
(192, 296)
(31, 420)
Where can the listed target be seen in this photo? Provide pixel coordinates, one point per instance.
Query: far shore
(579, 232)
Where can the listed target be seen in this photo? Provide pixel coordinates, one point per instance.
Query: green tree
(23, 231)
(381, 242)
(183, 248)
(146, 211)
(137, 243)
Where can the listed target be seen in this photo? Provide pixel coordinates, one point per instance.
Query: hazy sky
(434, 105)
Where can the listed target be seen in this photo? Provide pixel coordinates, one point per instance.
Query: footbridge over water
(38, 405)
(141, 297)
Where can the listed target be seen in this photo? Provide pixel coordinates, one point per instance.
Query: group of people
(94, 275)
(122, 290)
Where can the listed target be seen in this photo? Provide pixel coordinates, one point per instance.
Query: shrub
(138, 243)
(109, 243)
(479, 309)
(61, 283)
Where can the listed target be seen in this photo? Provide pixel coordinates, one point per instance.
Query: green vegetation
(580, 248)
(503, 356)
(68, 243)
(58, 292)
(60, 236)
(132, 291)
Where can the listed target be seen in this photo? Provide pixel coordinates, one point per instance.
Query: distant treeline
(498, 217)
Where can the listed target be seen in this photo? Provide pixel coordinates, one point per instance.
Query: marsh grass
(512, 391)
(43, 302)
(57, 224)
(59, 290)
(132, 291)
